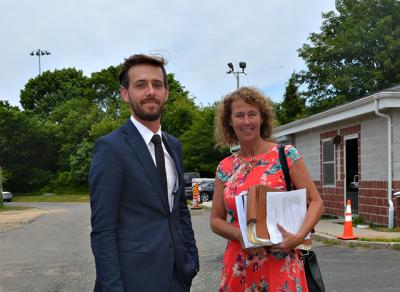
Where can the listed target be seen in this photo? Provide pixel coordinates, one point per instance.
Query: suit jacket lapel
(177, 162)
(139, 147)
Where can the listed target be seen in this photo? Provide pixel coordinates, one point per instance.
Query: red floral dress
(277, 271)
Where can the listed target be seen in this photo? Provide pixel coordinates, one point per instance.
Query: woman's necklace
(248, 163)
(253, 161)
(245, 166)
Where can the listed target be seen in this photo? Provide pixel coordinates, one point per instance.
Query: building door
(351, 171)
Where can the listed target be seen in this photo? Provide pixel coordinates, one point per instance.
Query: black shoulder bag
(311, 267)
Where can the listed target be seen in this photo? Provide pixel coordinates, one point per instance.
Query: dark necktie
(160, 161)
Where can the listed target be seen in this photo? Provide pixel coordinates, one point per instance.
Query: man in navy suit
(142, 237)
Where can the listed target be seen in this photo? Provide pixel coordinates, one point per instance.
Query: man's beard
(145, 116)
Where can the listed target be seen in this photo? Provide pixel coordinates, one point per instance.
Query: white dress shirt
(170, 167)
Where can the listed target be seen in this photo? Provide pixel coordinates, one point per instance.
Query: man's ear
(167, 95)
(124, 93)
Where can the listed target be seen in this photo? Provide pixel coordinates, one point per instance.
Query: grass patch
(378, 228)
(358, 220)
(380, 239)
(357, 244)
(14, 208)
(384, 228)
(76, 198)
(330, 242)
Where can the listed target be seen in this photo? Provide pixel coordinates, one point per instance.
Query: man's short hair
(141, 59)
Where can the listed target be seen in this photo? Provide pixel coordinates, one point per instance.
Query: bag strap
(285, 168)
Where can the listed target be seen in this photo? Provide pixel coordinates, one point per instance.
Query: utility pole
(231, 70)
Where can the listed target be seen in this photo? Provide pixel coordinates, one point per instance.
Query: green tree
(176, 89)
(199, 151)
(180, 111)
(28, 149)
(73, 120)
(48, 145)
(293, 106)
(356, 53)
(1, 188)
(80, 162)
(105, 86)
(45, 92)
(179, 116)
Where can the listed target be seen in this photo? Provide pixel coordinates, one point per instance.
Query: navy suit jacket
(136, 240)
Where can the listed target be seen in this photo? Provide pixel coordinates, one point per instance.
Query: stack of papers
(286, 208)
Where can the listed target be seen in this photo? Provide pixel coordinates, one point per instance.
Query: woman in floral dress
(245, 118)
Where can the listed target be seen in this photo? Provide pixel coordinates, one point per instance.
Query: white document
(241, 208)
(286, 208)
(289, 209)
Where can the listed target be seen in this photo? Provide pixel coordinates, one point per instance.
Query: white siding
(374, 149)
(396, 144)
(307, 143)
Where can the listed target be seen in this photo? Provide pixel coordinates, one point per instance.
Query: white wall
(374, 156)
(307, 143)
(396, 143)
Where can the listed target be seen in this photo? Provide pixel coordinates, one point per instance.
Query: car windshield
(207, 184)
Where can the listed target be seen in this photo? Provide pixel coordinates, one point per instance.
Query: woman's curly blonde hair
(224, 132)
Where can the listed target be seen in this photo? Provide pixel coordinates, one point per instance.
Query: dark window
(328, 163)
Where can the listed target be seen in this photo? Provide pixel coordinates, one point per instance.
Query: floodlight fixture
(242, 65)
(231, 70)
(39, 53)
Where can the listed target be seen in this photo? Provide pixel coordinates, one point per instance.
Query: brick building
(353, 152)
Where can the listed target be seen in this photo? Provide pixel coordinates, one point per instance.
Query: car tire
(204, 197)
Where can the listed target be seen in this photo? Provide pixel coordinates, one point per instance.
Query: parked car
(189, 192)
(7, 196)
(206, 190)
(188, 176)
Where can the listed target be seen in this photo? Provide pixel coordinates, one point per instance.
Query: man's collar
(145, 132)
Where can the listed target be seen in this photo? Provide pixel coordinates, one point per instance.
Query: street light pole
(231, 70)
(40, 53)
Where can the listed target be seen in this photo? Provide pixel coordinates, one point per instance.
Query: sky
(198, 39)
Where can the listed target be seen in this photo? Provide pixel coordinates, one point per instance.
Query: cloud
(198, 37)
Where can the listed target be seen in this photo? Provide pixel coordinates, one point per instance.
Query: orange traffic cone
(348, 224)
(195, 197)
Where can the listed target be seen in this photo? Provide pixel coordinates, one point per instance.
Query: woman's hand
(256, 251)
(289, 242)
(253, 251)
